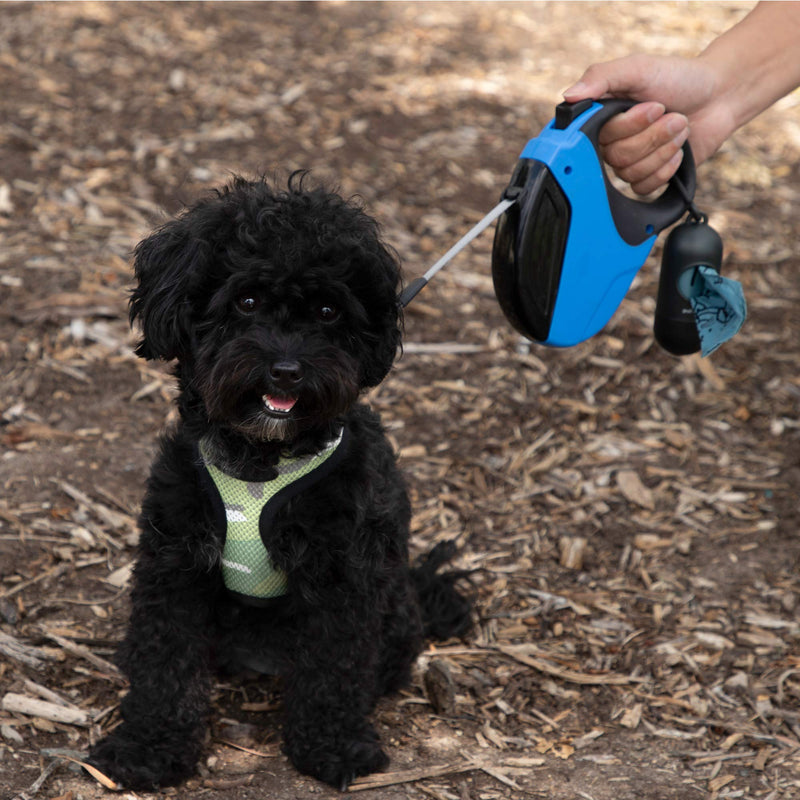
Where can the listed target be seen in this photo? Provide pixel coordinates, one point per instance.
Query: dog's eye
(248, 302)
(327, 313)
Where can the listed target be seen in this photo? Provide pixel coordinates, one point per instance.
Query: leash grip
(636, 220)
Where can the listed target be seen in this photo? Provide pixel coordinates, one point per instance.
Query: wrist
(724, 97)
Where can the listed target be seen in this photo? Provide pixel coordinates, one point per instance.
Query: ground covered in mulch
(631, 517)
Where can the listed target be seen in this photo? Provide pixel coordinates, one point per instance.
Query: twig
(47, 694)
(439, 348)
(96, 602)
(85, 653)
(33, 789)
(410, 775)
(114, 519)
(56, 571)
(32, 707)
(260, 753)
(585, 679)
(495, 773)
(25, 654)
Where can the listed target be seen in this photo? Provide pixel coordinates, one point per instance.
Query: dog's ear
(384, 354)
(166, 264)
(387, 319)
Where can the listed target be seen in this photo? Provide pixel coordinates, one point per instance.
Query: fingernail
(655, 112)
(681, 137)
(677, 125)
(676, 159)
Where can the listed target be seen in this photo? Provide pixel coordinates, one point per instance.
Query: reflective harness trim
(245, 511)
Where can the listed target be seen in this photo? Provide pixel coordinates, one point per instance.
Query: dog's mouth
(279, 406)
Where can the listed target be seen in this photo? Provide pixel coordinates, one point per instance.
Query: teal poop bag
(719, 307)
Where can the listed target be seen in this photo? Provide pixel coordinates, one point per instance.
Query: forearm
(757, 61)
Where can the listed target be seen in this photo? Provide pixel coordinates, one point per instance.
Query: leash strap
(413, 288)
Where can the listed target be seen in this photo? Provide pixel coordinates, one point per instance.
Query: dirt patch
(666, 663)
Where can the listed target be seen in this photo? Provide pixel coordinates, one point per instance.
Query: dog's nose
(286, 374)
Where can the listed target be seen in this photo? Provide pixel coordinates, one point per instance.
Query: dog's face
(279, 306)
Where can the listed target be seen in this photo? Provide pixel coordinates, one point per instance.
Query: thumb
(615, 78)
(584, 90)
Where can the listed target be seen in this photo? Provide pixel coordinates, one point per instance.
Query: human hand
(644, 144)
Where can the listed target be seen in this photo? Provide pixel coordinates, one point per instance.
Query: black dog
(275, 524)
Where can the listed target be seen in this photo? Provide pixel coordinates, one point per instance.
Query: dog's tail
(445, 610)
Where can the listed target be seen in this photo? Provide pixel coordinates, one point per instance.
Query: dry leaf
(100, 777)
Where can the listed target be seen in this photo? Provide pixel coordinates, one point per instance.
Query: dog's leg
(330, 692)
(166, 657)
(402, 640)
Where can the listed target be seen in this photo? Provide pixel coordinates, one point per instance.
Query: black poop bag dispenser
(689, 246)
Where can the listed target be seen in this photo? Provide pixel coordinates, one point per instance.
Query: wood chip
(634, 490)
(632, 716)
(573, 549)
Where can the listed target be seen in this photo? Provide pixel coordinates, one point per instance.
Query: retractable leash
(568, 244)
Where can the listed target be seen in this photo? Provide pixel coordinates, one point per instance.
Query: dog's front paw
(340, 762)
(140, 764)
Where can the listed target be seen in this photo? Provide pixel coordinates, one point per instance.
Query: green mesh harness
(246, 509)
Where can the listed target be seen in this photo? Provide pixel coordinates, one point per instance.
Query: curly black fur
(280, 307)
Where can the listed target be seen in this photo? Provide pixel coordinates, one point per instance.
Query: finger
(660, 178)
(636, 171)
(663, 137)
(630, 123)
(653, 176)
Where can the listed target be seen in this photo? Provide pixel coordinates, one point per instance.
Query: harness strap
(245, 511)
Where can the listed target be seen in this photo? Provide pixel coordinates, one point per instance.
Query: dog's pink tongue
(280, 403)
